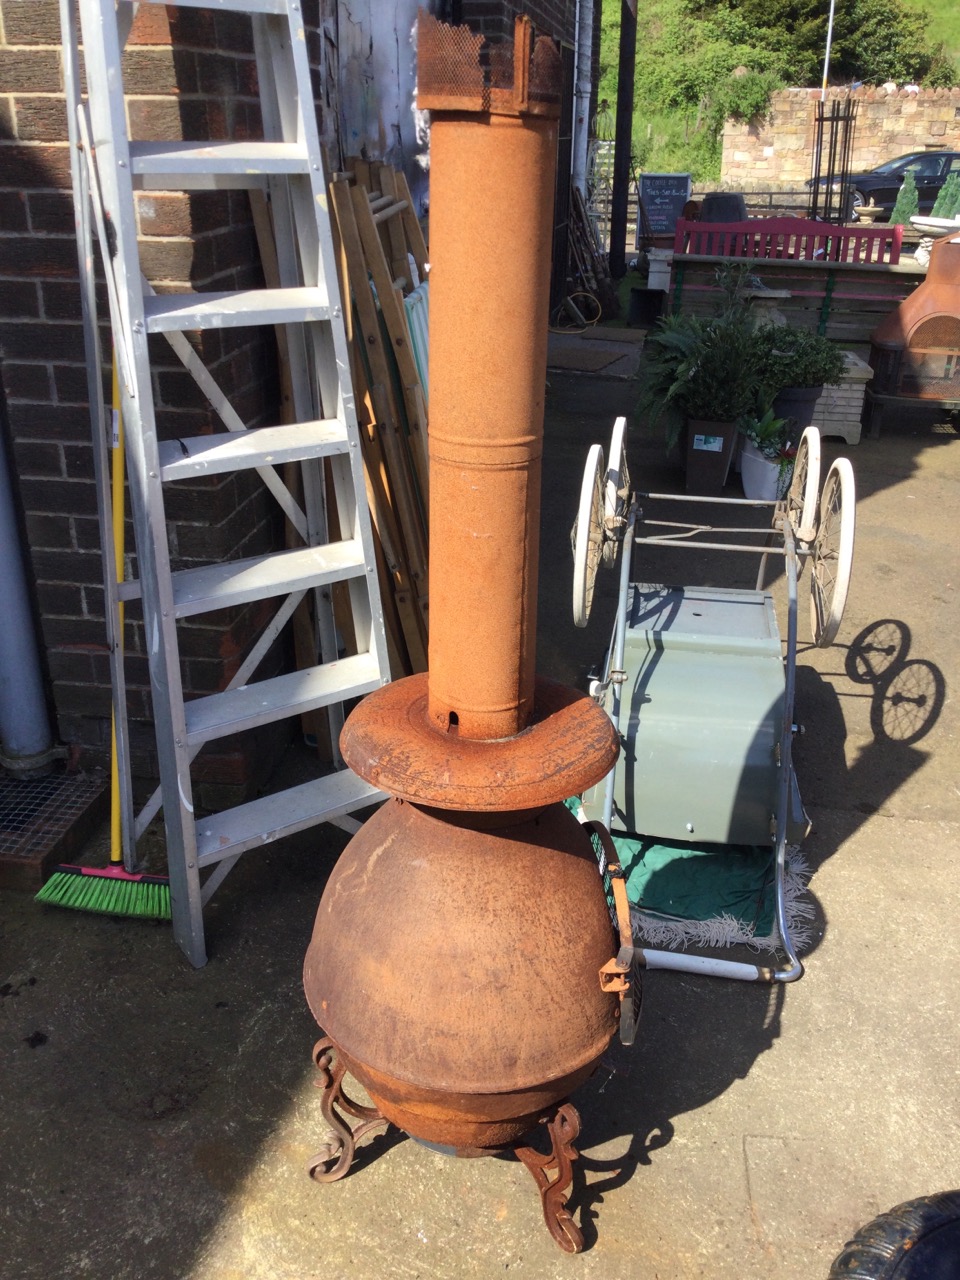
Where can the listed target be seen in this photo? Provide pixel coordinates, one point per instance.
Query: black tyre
(918, 1240)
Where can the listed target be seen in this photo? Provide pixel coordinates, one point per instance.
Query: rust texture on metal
(938, 295)
(457, 71)
(553, 1174)
(496, 939)
(471, 1123)
(491, 191)
(334, 1159)
(552, 1170)
(569, 745)
(455, 958)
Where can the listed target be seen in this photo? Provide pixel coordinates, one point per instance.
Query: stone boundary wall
(777, 150)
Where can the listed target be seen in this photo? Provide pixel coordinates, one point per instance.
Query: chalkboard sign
(663, 196)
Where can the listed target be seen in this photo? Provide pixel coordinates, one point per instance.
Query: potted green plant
(700, 377)
(766, 460)
(793, 367)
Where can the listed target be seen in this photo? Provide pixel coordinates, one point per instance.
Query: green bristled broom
(111, 890)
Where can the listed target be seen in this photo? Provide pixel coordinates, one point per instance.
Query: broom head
(109, 891)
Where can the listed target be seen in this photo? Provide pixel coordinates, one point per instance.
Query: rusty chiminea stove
(463, 965)
(915, 350)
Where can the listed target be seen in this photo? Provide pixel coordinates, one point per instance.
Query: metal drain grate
(21, 802)
(45, 820)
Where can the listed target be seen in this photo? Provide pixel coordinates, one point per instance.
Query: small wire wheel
(804, 487)
(832, 553)
(587, 535)
(616, 493)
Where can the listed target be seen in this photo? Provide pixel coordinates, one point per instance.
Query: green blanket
(709, 895)
(699, 883)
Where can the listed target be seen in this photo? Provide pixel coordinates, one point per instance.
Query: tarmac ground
(157, 1120)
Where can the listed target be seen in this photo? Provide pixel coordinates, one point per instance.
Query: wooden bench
(833, 288)
(799, 239)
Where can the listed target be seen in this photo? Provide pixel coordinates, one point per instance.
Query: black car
(873, 194)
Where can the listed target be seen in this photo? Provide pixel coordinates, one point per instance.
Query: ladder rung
(259, 447)
(179, 311)
(225, 834)
(217, 586)
(188, 161)
(287, 695)
(230, 6)
(390, 211)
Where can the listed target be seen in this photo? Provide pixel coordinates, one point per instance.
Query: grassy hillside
(698, 64)
(944, 23)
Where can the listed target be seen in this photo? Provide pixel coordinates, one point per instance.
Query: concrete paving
(156, 1120)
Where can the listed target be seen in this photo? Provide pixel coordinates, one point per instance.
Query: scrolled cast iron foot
(553, 1174)
(341, 1144)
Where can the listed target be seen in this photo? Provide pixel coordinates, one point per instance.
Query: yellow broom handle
(116, 839)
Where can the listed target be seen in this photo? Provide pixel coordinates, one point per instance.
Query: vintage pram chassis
(726, 643)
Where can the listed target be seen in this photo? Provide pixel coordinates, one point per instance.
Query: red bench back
(799, 238)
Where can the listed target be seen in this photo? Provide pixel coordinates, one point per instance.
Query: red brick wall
(194, 76)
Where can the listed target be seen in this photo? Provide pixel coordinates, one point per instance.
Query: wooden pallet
(379, 233)
(845, 303)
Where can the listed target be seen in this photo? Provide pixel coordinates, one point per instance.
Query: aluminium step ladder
(286, 167)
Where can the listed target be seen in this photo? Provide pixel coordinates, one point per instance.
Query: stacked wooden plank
(844, 302)
(383, 260)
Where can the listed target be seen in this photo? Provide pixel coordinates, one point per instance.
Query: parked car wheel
(880, 186)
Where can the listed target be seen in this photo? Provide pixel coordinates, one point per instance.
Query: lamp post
(826, 59)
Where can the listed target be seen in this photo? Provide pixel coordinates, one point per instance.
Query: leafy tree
(908, 202)
(873, 40)
(882, 40)
(692, 72)
(700, 62)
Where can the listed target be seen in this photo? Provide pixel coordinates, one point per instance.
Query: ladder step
(230, 6)
(223, 835)
(192, 165)
(260, 447)
(217, 586)
(179, 311)
(287, 695)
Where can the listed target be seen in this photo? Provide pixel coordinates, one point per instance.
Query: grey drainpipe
(582, 92)
(26, 742)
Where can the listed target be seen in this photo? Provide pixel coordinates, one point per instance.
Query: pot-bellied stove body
(915, 350)
(455, 961)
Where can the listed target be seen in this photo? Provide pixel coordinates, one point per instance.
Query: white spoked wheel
(587, 536)
(832, 553)
(804, 487)
(616, 493)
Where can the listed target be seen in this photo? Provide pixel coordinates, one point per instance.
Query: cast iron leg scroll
(564, 1129)
(341, 1142)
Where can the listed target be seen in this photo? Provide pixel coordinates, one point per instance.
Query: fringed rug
(710, 895)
